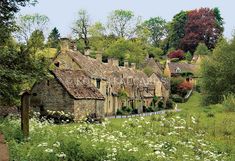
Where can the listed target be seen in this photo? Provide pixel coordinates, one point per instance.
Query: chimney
(126, 64)
(87, 52)
(64, 44)
(73, 45)
(133, 66)
(99, 57)
(113, 62)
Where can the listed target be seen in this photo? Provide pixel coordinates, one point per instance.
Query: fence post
(25, 103)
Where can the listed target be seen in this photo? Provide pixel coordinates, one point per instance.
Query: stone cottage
(68, 91)
(110, 82)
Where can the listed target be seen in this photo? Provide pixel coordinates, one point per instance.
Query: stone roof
(77, 84)
(181, 67)
(116, 75)
(156, 66)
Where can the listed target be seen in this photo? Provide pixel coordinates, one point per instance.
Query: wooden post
(25, 103)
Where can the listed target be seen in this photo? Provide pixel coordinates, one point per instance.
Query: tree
(123, 23)
(201, 27)
(97, 30)
(54, 37)
(201, 49)
(218, 74)
(36, 41)
(176, 29)
(126, 50)
(28, 23)
(19, 69)
(157, 29)
(177, 54)
(8, 8)
(81, 27)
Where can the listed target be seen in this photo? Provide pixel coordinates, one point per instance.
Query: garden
(195, 133)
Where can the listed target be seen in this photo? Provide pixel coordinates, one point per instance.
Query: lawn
(195, 133)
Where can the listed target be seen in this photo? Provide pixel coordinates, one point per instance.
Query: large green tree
(126, 50)
(36, 41)
(218, 74)
(123, 23)
(53, 38)
(176, 29)
(28, 23)
(156, 28)
(8, 9)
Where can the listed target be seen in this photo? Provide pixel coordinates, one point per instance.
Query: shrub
(177, 98)
(135, 111)
(170, 104)
(119, 112)
(177, 54)
(185, 86)
(229, 102)
(160, 105)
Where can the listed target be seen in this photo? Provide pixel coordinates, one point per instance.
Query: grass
(195, 133)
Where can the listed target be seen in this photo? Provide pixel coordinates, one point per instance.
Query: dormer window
(57, 64)
(177, 70)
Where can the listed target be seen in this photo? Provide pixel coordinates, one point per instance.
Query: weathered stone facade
(50, 95)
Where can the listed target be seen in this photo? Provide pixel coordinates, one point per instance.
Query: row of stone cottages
(83, 85)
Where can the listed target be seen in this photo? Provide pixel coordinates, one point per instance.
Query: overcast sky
(62, 13)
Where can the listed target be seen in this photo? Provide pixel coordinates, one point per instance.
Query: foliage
(201, 26)
(166, 136)
(170, 104)
(188, 56)
(177, 54)
(175, 82)
(122, 94)
(177, 98)
(229, 102)
(36, 41)
(154, 52)
(157, 30)
(28, 23)
(176, 29)
(81, 27)
(8, 9)
(218, 73)
(185, 86)
(126, 50)
(53, 38)
(19, 68)
(202, 50)
(123, 23)
(97, 30)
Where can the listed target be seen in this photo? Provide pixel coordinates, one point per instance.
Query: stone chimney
(87, 52)
(133, 65)
(73, 45)
(113, 62)
(99, 57)
(126, 64)
(64, 44)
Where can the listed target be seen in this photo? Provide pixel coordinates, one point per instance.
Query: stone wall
(50, 95)
(65, 62)
(83, 108)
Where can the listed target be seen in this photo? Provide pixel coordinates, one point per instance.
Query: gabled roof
(77, 84)
(156, 66)
(176, 68)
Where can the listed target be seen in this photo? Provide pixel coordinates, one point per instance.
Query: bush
(170, 104)
(177, 54)
(177, 98)
(119, 112)
(229, 103)
(160, 105)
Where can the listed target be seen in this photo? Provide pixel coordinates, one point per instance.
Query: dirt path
(4, 154)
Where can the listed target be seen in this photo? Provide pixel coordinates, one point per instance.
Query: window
(34, 94)
(98, 83)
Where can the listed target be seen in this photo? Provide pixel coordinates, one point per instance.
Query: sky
(62, 13)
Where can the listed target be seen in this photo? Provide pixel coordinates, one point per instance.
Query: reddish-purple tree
(176, 54)
(201, 27)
